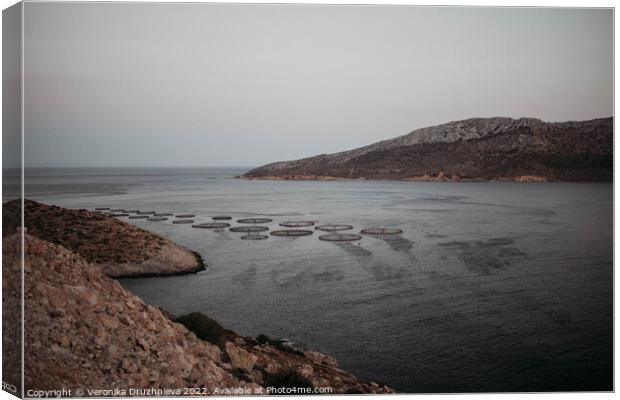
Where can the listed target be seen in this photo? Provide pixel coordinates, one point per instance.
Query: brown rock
(240, 358)
(321, 358)
(125, 320)
(108, 322)
(153, 376)
(306, 370)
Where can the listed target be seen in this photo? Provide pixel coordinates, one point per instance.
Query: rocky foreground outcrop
(85, 331)
(525, 149)
(119, 249)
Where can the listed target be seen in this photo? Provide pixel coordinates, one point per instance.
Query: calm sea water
(491, 286)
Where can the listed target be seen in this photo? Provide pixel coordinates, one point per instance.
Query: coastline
(105, 336)
(422, 178)
(199, 268)
(129, 251)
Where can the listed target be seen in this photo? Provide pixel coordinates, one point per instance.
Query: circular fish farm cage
(334, 227)
(146, 212)
(296, 224)
(211, 225)
(163, 214)
(292, 232)
(185, 215)
(339, 237)
(157, 219)
(254, 236)
(381, 231)
(139, 217)
(249, 229)
(222, 218)
(183, 221)
(254, 220)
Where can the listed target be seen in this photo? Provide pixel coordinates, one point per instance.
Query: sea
(490, 287)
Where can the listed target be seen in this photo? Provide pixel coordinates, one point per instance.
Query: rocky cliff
(84, 330)
(474, 149)
(129, 250)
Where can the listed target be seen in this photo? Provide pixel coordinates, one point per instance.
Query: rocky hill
(472, 149)
(84, 330)
(129, 250)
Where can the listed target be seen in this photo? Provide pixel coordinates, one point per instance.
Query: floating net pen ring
(254, 220)
(183, 221)
(292, 232)
(381, 231)
(296, 224)
(248, 229)
(334, 227)
(339, 237)
(254, 236)
(212, 225)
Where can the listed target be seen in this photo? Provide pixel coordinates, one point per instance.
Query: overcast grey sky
(222, 84)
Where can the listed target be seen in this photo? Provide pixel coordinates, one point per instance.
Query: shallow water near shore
(492, 286)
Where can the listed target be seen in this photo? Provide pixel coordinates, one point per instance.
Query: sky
(136, 84)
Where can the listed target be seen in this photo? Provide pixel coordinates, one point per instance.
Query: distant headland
(476, 149)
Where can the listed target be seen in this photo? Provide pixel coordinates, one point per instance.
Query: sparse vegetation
(287, 378)
(240, 374)
(205, 328)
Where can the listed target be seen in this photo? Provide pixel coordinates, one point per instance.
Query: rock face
(118, 248)
(84, 330)
(472, 149)
(11, 317)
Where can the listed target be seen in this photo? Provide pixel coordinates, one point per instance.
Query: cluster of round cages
(252, 231)
(336, 235)
(151, 216)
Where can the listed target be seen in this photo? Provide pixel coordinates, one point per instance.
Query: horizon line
(128, 166)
